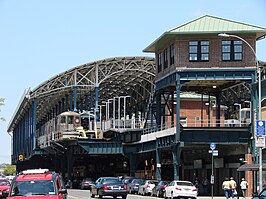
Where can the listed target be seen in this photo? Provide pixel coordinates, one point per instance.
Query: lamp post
(239, 117)
(259, 93)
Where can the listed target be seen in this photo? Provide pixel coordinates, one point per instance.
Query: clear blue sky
(41, 38)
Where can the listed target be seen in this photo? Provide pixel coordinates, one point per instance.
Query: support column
(133, 164)
(218, 109)
(158, 163)
(158, 109)
(34, 122)
(69, 164)
(176, 151)
(176, 147)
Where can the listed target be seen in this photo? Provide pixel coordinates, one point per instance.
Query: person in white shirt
(244, 186)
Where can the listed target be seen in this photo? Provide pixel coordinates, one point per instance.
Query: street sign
(212, 146)
(212, 179)
(260, 127)
(260, 142)
(214, 152)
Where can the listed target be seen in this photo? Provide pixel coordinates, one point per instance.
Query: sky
(42, 38)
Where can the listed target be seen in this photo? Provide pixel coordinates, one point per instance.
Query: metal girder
(102, 147)
(134, 75)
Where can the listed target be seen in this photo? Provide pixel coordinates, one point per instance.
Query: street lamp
(239, 117)
(259, 100)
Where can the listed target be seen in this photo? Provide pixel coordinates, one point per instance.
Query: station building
(152, 118)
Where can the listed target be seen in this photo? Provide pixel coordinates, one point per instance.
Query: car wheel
(172, 195)
(157, 193)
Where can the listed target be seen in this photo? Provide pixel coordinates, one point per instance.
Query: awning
(251, 167)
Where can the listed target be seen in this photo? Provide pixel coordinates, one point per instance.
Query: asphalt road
(85, 194)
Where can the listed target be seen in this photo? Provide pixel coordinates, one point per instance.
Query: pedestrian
(226, 187)
(244, 186)
(233, 187)
(197, 183)
(205, 184)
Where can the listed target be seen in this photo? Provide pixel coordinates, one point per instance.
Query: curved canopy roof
(118, 76)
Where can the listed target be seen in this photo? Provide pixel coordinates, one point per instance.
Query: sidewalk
(219, 197)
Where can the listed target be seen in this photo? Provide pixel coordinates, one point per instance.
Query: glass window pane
(238, 56)
(193, 49)
(193, 57)
(204, 43)
(237, 42)
(226, 49)
(195, 43)
(238, 48)
(204, 49)
(226, 56)
(226, 42)
(205, 57)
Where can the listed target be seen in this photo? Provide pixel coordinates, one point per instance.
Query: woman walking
(227, 188)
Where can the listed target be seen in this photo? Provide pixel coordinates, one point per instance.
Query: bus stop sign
(260, 127)
(212, 146)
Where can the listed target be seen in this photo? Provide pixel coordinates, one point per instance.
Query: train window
(77, 120)
(70, 119)
(63, 120)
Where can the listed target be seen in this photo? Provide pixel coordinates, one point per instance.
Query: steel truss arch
(134, 75)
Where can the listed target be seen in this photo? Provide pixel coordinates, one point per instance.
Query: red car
(4, 188)
(37, 184)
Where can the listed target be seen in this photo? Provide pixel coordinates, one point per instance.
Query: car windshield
(33, 187)
(137, 181)
(111, 181)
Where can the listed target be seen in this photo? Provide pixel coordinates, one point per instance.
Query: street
(85, 194)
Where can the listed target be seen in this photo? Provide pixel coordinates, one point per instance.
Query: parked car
(145, 188)
(133, 186)
(260, 195)
(109, 186)
(178, 188)
(86, 183)
(127, 179)
(37, 184)
(159, 189)
(4, 188)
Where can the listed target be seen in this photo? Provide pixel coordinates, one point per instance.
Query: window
(172, 54)
(232, 50)
(165, 58)
(159, 62)
(199, 51)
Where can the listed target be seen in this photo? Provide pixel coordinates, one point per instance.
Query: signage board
(212, 146)
(260, 127)
(260, 142)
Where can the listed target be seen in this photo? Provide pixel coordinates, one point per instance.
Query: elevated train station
(146, 117)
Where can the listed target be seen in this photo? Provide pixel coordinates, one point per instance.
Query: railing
(44, 140)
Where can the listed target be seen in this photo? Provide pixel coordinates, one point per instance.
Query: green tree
(2, 100)
(10, 170)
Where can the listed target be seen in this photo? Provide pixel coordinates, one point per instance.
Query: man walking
(244, 186)
(233, 187)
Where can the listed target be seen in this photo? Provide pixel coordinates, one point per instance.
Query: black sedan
(109, 186)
